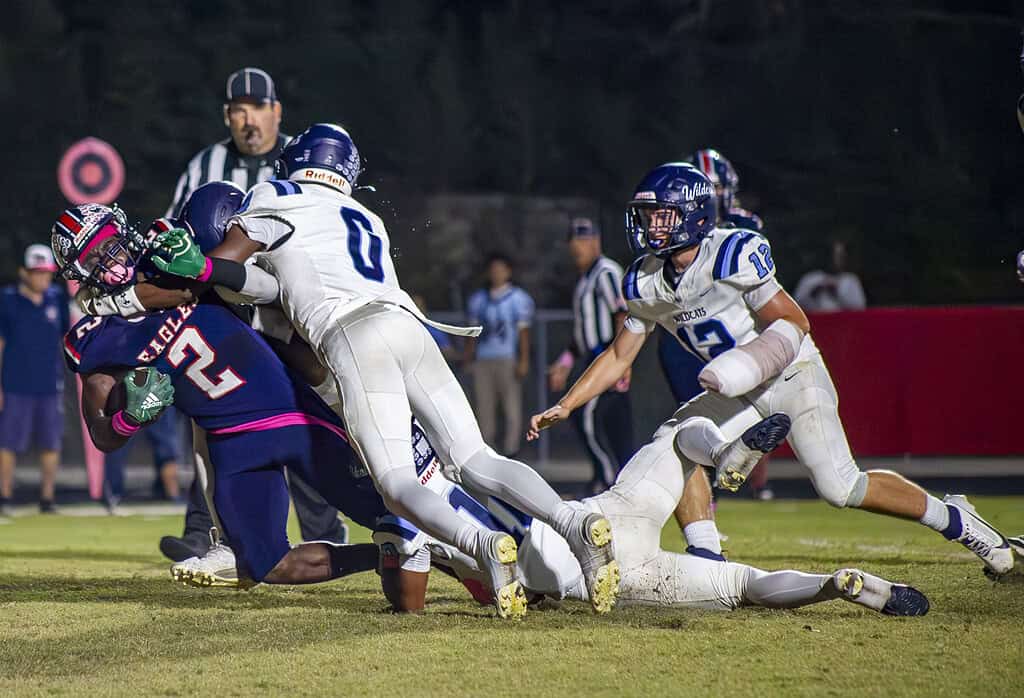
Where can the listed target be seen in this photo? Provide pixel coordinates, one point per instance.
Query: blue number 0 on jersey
(358, 224)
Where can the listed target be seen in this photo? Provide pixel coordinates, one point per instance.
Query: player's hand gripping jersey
(225, 375)
(710, 308)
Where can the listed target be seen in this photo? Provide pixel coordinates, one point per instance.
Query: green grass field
(87, 608)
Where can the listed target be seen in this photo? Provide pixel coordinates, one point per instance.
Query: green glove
(145, 402)
(176, 253)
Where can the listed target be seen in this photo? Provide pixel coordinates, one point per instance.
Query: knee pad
(857, 492)
(845, 493)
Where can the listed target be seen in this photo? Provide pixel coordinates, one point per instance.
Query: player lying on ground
(339, 288)
(638, 505)
(715, 290)
(258, 416)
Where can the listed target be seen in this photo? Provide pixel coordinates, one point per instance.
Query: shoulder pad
(631, 277)
(273, 194)
(727, 260)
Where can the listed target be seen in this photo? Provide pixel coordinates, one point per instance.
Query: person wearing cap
(252, 114)
(605, 424)
(34, 316)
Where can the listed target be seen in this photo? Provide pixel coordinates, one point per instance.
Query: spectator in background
(34, 317)
(826, 291)
(605, 424)
(252, 114)
(499, 359)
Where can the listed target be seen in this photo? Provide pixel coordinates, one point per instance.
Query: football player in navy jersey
(259, 417)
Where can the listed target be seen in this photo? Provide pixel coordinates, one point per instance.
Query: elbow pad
(741, 369)
(124, 304)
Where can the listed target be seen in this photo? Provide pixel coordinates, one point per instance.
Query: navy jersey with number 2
(225, 375)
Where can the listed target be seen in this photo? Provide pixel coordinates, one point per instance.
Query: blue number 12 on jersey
(357, 224)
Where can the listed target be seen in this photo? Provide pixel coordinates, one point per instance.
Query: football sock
(703, 534)
(936, 515)
(698, 438)
(349, 559)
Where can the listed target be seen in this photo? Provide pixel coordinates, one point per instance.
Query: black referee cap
(251, 83)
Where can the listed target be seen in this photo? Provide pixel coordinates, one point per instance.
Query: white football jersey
(710, 307)
(330, 253)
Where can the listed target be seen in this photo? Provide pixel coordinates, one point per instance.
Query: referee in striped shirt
(253, 115)
(605, 424)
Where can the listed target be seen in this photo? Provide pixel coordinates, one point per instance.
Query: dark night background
(888, 124)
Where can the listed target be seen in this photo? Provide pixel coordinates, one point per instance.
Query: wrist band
(565, 359)
(120, 425)
(207, 270)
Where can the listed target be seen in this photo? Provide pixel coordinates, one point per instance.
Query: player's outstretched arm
(135, 299)
(605, 372)
(176, 253)
(109, 428)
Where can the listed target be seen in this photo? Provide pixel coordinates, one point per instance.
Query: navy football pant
(251, 493)
(679, 366)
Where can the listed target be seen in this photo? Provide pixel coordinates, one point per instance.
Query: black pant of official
(605, 424)
(318, 520)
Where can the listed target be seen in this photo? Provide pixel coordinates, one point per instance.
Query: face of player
(254, 125)
(37, 280)
(660, 223)
(108, 262)
(498, 274)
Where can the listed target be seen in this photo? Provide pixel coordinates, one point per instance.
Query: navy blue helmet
(322, 153)
(722, 174)
(672, 208)
(207, 211)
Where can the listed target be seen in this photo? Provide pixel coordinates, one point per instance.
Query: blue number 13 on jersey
(357, 225)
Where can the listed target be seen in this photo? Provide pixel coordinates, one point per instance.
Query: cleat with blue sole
(906, 601)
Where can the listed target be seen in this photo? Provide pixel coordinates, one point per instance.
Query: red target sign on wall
(91, 171)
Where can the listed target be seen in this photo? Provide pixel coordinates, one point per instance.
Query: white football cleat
(735, 461)
(590, 540)
(981, 537)
(217, 568)
(879, 595)
(498, 561)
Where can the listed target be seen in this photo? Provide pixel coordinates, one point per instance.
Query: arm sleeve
(262, 217)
